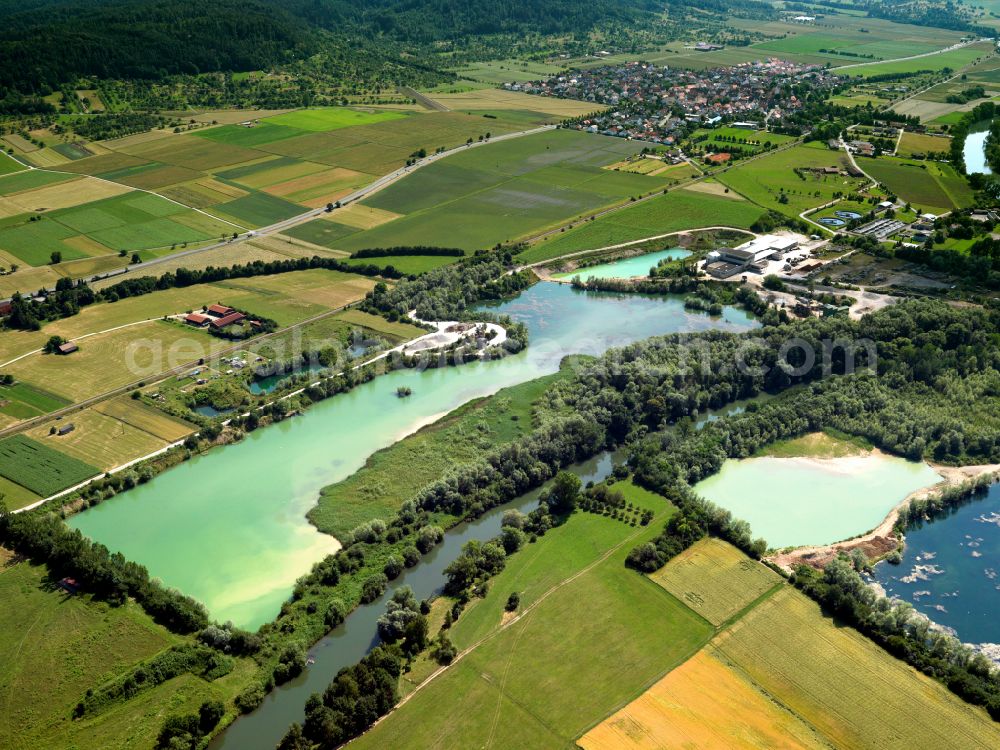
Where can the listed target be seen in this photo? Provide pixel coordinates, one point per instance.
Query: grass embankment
(396, 473)
(55, 646)
(585, 646)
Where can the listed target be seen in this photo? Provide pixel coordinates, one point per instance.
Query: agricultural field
(493, 194)
(839, 682)
(796, 174)
(22, 401)
(287, 298)
(55, 646)
(920, 143)
(9, 165)
(238, 178)
(702, 704)
(491, 99)
(677, 211)
(496, 72)
(931, 186)
(955, 59)
(116, 358)
(134, 413)
(292, 297)
(716, 580)
(601, 626)
(114, 432)
(98, 440)
(399, 471)
(39, 468)
(124, 221)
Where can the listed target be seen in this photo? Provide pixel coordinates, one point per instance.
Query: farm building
(228, 320)
(66, 429)
(218, 311)
(67, 348)
(197, 319)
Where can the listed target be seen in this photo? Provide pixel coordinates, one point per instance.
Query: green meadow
(675, 211)
(791, 173)
(931, 186)
(593, 635)
(497, 193)
(399, 471)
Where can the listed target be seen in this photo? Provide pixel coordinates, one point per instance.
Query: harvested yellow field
(99, 440)
(500, 99)
(87, 245)
(920, 143)
(713, 188)
(642, 165)
(46, 158)
(292, 247)
(229, 255)
(137, 138)
(715, 579)
(843, 685)
(703, 705)
(20, 143)
(291, 297)
(65, 194)
(328, 181)
(117, 358)
(27, 279)
(360, 216)
(146, 418)
(280, 174)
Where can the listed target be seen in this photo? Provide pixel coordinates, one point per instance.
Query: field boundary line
(528, 610)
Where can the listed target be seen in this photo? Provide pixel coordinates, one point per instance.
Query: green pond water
(626, 268)
(229, 527)
(793, 502)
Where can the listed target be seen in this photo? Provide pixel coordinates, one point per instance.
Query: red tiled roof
(197, 319)
(228, 320)
(219, 310)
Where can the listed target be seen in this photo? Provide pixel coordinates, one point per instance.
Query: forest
(46, 43)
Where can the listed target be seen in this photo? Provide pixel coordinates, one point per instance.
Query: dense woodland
(46, 43)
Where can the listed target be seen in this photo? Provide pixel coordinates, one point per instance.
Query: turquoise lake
(951, 570)
(796, 501)
(626, 268)
(229, 527)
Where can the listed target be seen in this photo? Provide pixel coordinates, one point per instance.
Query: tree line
(108, 576)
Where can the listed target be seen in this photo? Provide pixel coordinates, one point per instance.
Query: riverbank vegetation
(670, 461)
(915, 407)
